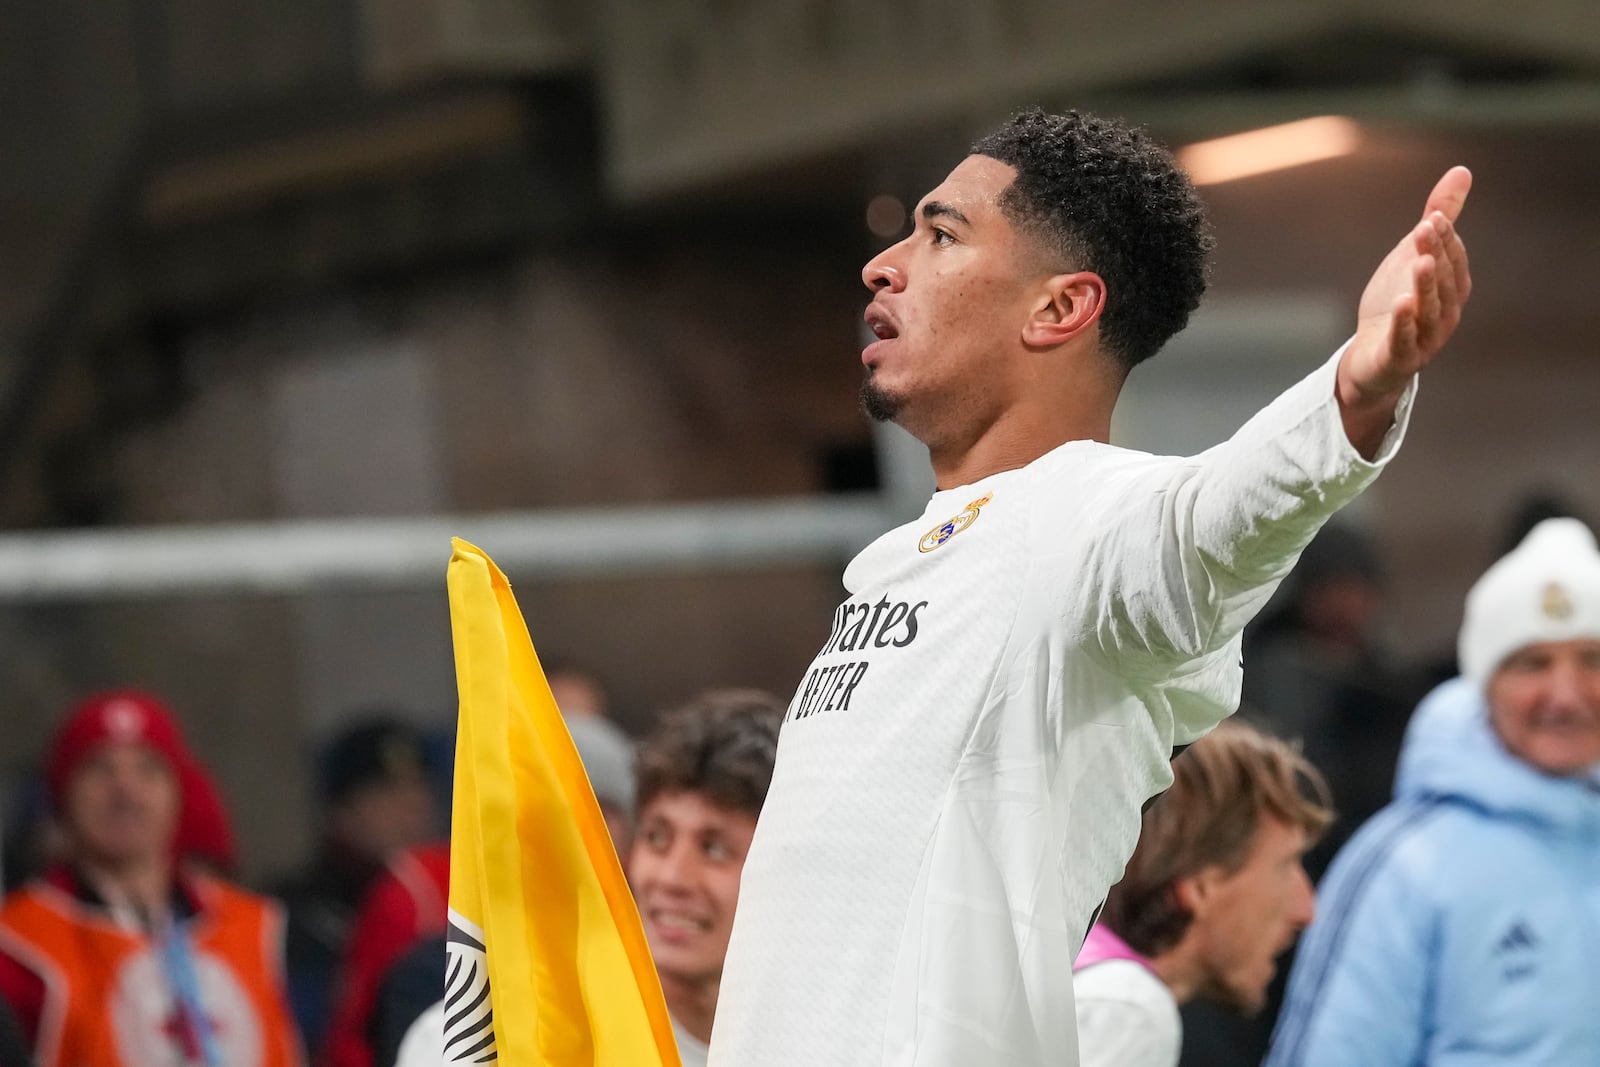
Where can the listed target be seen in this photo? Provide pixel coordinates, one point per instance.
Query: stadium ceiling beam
(699, 94)
(1440, 104)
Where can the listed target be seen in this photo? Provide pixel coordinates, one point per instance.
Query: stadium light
(1243, 155)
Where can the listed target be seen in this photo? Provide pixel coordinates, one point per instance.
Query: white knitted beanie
(1546, 589)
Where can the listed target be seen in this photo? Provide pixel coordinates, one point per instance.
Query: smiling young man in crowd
(702, 777)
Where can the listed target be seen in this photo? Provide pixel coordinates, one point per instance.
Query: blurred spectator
(1462, 924)
(377, 799)
(121, 956)
(394, 968)
(1213, 893)
(1317, 667)
(406, 906)
(34, 844)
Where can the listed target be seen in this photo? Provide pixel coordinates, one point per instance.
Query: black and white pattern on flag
(468, 1014)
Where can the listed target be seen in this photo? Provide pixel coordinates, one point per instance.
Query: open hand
(1409, 309)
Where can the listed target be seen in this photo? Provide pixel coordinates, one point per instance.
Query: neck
(1011, 441)
(1179, 971)
(692, 1002)
(1049, 409)
(145, 887)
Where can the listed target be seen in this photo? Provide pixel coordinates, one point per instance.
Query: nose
(1570, 684)
(1303, 906)
(675, 869)
(883, 271)
(124, 779)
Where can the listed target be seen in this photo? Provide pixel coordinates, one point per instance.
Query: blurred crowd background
(292, 292)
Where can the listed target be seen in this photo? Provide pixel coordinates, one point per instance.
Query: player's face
(121, 805)
(1544, 702)
(949, 302)
(1253, 915)
(685, 864)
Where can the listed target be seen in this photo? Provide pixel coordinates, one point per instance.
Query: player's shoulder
(1086, 497)
(1110, 475)
(1098, 457)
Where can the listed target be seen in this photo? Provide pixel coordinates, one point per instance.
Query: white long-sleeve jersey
(960, 775)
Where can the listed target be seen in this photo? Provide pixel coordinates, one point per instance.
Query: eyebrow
(935, 208)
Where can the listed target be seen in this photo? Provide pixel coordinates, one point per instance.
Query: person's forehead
(975, 183)
(693, 810)
(1276, 837)
(1577, 646)
(115, 750)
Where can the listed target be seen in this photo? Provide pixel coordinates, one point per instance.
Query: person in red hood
(125, 954)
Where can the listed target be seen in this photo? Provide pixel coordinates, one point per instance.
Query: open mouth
(880, 325)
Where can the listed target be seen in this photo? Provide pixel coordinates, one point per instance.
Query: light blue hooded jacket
(1461, 925)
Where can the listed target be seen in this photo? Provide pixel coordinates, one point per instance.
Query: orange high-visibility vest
(108, 1001)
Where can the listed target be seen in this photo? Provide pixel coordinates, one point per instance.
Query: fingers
(1450, 275)
(1440, 279)
(1454, 269)
(1428, 323)
(1449, 195)
(1403, 345)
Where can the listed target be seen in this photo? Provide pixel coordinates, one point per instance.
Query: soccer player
(961, 772)
(1215, 892)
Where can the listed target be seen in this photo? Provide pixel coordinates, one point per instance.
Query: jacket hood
(1450, 750)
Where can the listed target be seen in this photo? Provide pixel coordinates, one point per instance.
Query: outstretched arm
(1233, 520)
(1408, 311)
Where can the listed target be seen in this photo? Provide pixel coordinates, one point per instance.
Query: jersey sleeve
(1199, 544)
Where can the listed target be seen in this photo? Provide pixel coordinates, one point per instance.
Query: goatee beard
(879, 405)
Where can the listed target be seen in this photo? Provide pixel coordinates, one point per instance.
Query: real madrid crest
(1556, 604)
(946, 530)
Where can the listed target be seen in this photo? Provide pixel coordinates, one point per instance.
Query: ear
(1067, 306)
(1194, 893)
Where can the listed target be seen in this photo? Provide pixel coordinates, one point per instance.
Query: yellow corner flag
(548, 963)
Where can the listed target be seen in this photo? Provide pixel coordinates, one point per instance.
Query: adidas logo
(1518, 938)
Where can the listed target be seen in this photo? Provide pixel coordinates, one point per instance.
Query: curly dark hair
(1104, 196)
(722, 744)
